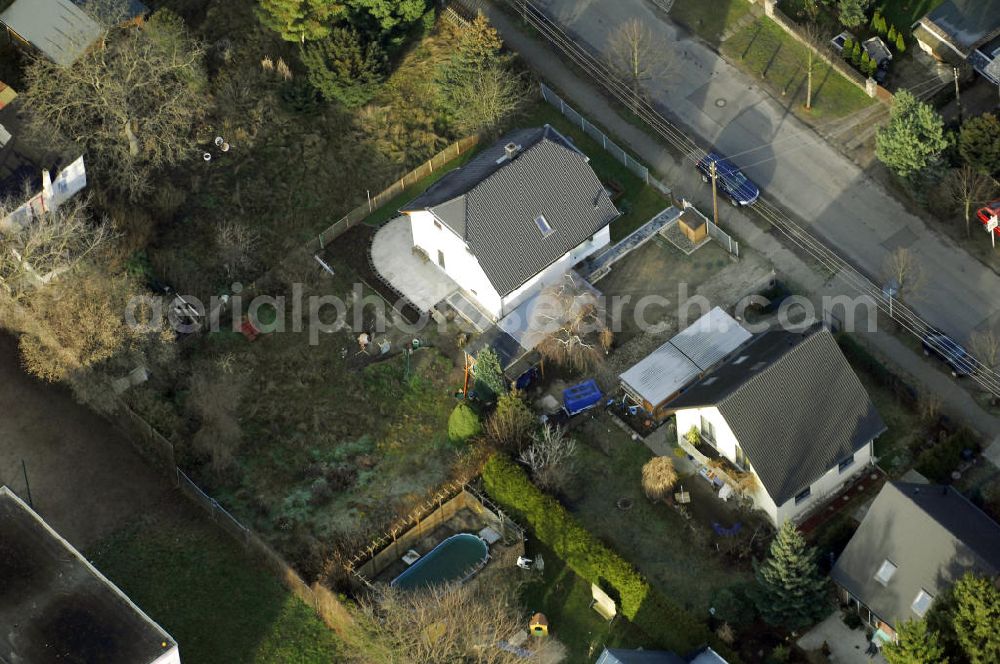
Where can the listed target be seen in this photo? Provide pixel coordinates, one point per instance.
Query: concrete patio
(847, 646)
(419, 280)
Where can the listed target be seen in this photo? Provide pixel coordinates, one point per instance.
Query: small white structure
(54, 193)
(789, 409)
(514, 219)
(61, 607)
(661, 375)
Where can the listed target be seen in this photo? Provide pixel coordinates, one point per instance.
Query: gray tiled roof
(794, 404)
(492, 203)
(623, 656)
(932, 534)
(965, 23)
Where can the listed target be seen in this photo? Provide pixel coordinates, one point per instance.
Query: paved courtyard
(419, 280)
(847, 646)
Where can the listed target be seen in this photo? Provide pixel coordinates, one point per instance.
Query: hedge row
(662, 620)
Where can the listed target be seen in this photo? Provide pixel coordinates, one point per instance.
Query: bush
(661, 619)
(938, 462)
(852, 619)
(463, 424)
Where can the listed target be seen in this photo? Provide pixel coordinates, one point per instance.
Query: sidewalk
(686, 182)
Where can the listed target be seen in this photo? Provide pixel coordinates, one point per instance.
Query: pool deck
(464, 521)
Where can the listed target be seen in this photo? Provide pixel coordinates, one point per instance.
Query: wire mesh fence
(724, 239)
(600, 137)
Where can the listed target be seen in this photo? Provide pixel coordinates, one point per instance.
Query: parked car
(987, 212)
(938, 344)
(730, 180)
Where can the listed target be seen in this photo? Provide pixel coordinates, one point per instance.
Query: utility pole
(958, 96)
(715, 197)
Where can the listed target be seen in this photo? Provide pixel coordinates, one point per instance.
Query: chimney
(511, 151)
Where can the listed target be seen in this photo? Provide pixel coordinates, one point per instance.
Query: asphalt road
(822, 189)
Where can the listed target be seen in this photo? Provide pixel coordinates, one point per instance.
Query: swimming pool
(453, 559)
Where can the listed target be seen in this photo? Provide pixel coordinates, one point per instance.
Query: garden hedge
(662, 620)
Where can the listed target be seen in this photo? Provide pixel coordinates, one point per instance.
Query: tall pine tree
(976, 617)
(344, 68)
(301, 20)
(791, 591)
(490, 381)
(918, 644)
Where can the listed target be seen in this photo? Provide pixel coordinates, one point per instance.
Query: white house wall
(725, 442)
(556, 270)
(433, 236)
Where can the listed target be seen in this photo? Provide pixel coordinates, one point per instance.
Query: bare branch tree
(550, 458)
(492, 96)
(132, 101)
(572, 322)
(638, 55)
(812, 36)
(903, 269)
(967, 188)
(236, 243)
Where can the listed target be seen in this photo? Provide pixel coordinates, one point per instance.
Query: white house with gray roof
(915, 541)
(788, 408)
(514, 219)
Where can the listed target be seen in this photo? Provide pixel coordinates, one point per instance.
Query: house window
(707, 430)
(437, 224)
(885, 572)
(803, 495)
(543, 225)
(845, 464)
(741, 458)
(440, 258)
(922, 602)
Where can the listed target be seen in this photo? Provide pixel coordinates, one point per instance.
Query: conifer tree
(892, 34)
(918, 644)
(976, 616)
(791, 591)
(900, 43)
(490, 381)
(848, 49)
(856, 54)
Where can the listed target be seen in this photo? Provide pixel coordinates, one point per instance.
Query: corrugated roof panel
(660, 374)
(711, 338)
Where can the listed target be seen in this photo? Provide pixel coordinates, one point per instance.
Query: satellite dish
(207, 157)
(219, 141)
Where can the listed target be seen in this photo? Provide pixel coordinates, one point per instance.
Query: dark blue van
(731, 181)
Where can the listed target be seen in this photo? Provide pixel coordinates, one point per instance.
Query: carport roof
(58, 605)
(58, 28)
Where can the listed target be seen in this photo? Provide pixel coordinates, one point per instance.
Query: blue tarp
(579, 398)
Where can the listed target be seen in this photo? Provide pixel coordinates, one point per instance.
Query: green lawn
(638, 204)
(200, 587)
(565, 599)
(709, 20)
(679, 561)
(765, 50)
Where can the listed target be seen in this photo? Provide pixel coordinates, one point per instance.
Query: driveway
(825, 191)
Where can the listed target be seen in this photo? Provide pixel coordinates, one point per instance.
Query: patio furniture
(411, 557)
(711, 476)
(682, 497)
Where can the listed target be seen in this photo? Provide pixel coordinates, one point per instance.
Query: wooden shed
(693, 225)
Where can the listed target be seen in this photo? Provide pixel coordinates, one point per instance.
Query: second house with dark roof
(514, 219)
(788, 408)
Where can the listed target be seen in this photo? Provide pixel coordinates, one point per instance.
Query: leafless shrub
(550, 458)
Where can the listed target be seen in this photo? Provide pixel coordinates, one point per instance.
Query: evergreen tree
(791, 592)
(856, 54)
(913, 139)
(300, 20)
(872, 68)
(852, 12)
(490, 381)
(979, 143)
(900, 43)
(882, 26)
(876, 17)
(389, 15)
(344, 69)
(918, 644)
(845, 53)
(866, 62)
(976, 617)
(892, 34)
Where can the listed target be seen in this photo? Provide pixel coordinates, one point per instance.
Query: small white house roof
(710, 338)
(681, 360)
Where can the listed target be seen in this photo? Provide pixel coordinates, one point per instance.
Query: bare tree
(812, 36)
(986, 347)
(236, 243)
(658, 477)
(132, 101)
(903, 269)
(462, 622)
(493, 95)
(638, 55)
(550, 458)
(214, 400)
(572, 321)
(968, 187)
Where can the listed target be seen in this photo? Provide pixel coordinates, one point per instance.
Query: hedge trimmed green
(643, 606)
(463, 423)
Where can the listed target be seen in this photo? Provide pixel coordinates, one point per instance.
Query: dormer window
(922, 602)
(885, 572)
(543, 225)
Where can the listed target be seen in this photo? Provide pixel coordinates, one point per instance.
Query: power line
(837, 266)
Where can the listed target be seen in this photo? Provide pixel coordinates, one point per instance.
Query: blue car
(938, 344)
(730, 180)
